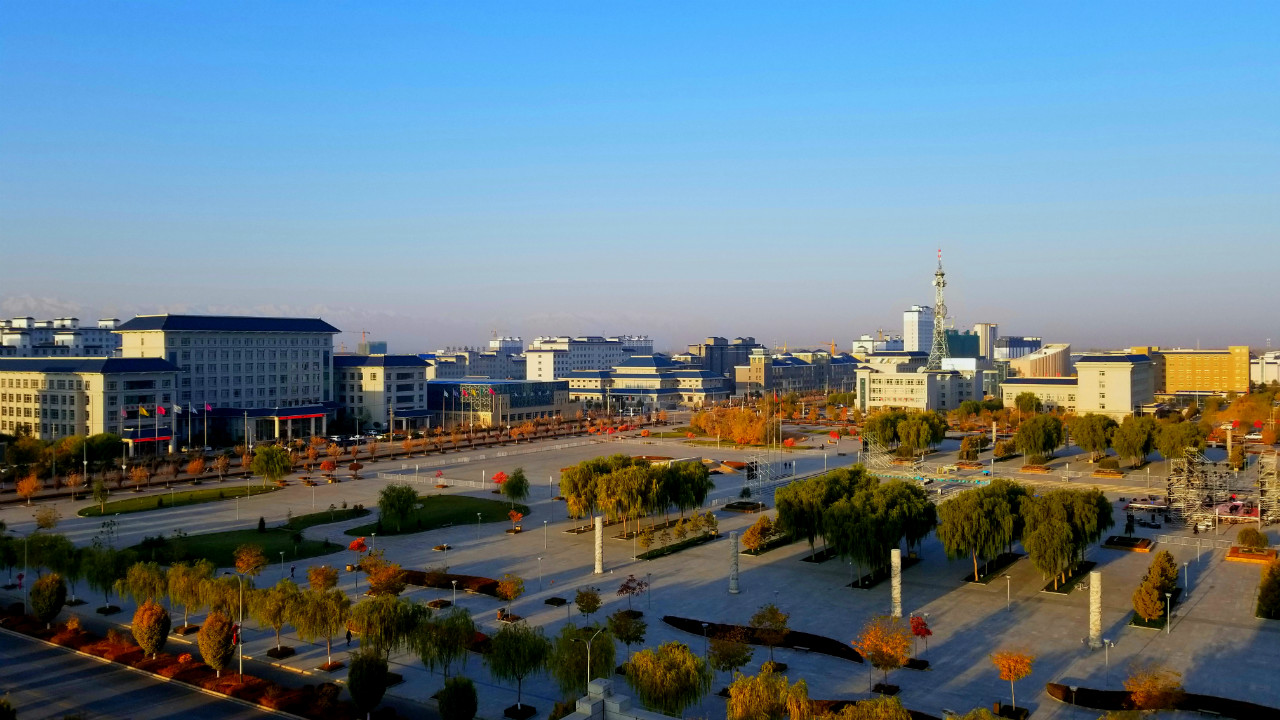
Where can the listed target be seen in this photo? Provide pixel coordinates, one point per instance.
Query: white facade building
(1116, 385)
(914, 390)
(917, 329)
(1265, 369)
(60, 337)
(867, 345)
(553, 358)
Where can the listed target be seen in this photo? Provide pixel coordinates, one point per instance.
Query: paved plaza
(1214, 634)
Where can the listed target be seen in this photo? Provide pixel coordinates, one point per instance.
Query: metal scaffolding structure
(876, 455)
(1198, 486)
(1268, 488)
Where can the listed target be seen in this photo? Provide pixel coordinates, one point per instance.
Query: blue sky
(1100, 173)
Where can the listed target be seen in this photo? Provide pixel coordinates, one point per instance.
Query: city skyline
(1098, 176)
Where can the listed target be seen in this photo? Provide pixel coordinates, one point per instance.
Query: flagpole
(157, 430)
(206, 429)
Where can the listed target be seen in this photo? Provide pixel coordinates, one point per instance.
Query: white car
(1253, 436)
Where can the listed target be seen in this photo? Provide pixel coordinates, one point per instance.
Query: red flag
(123, 413)
(208, 407)
(491, 392)
(1235, 424)
(160, 409)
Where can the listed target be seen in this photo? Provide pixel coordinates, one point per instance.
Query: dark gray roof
(227, 323)
(378, 361)
(1114, 358)
(1041, 381)
(86, 365)
(657, 360)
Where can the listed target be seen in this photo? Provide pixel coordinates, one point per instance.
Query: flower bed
(1065, 587)
(1249, 555)
(793, 638)
(1112, 474)
(833, 707)
(675, 547)
(1038, 469)
(1191, 702)
(820, 556)
(307, 701)
(744, 506)
(443, 581)
(1130, 544)
(970, 465)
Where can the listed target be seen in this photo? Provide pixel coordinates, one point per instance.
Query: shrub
(214, 641)
(1036, 460)
(48, 595)
(1252, 539)
(457, 700)
(151, 627)
(1269, 591)
(367, 680)
(1109, 462)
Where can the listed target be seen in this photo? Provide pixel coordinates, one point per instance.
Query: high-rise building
(963, 344)
(987, 334)
(721, 356)
(1265, 369)
(372, 347)
(1011, 347)
(917, 328)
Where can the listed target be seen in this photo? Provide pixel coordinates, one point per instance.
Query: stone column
(733, 563)
(1095, 609)
(895, 570)
(599, 544)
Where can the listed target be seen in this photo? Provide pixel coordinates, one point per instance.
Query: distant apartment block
(1011, 347)
(378, 390)
(987, 335)
(867, 344)
(796, 371)
(552, 358)
(912, 389)
(1054, 393)
(1265, 369)
(647, 383)
(61, 337)
(917, 329)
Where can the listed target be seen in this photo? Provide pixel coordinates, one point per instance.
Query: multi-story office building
(1117, 385)
(60, 337)
(372, 347)
(647, 383)
(1055, 393)
(987, 334)
(1052, 360)
(721, 356)
(914, 389)
(273, 375)
(482, 402)
(1199, 372)
(798, 371)
(552, 358)
(917, 329)
(375, 391)
(1011, 347)
(57, 397)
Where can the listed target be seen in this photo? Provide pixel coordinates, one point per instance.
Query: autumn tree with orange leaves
(1154, 687)
(885, 642)
(1013, 666)
(28, 487)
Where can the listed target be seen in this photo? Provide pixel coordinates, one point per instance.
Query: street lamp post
(539, 574)
(648, 588)
(1168, 613)
(455, 593)
(477, 526)
(1008, 593)
(1186, 579)
(240, 627)
(705, 649)
(544, 534)
(588, 642)
(373, 542)
(281, 564)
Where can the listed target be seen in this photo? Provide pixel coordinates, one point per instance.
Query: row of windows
(250, 341)
(44, 384)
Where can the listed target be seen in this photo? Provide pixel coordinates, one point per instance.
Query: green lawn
(324, 517)
(219, 547)
(178, 499)
(440, 510)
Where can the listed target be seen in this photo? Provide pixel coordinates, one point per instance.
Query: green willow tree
(668, 678)
(517, 651)
(568, 659)
(1135, 438)
(272, 463)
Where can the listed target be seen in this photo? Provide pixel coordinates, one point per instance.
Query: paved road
(45, 682)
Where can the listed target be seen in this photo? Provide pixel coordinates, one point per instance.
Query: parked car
(1253, 436)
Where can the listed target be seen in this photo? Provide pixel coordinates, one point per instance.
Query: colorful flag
(491, 392)
(143, 411)
(208, 407)
(124, 413)
(160, 409)
(177, 409)
(195, 410)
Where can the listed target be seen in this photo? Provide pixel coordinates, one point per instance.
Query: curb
(210, 693)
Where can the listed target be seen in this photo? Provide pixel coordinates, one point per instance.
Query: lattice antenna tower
(939, 350)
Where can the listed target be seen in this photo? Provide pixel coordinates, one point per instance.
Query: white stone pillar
(733, 563)
(1095, 609)
(599, 544)
(895, 570)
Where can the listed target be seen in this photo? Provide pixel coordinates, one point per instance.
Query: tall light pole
(544, 534)
(455, 593)
(705, 648)
(539, 574)
(1168, 613)
(648, 588)
(281, 564)
(240, 627)
(588, 642)
(1008, 593)
(1186, 579)
(477, 526)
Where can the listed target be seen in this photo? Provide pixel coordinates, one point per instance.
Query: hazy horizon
(1101, 175)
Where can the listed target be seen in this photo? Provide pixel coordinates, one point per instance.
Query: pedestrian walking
(291, 569)
(348, 638)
